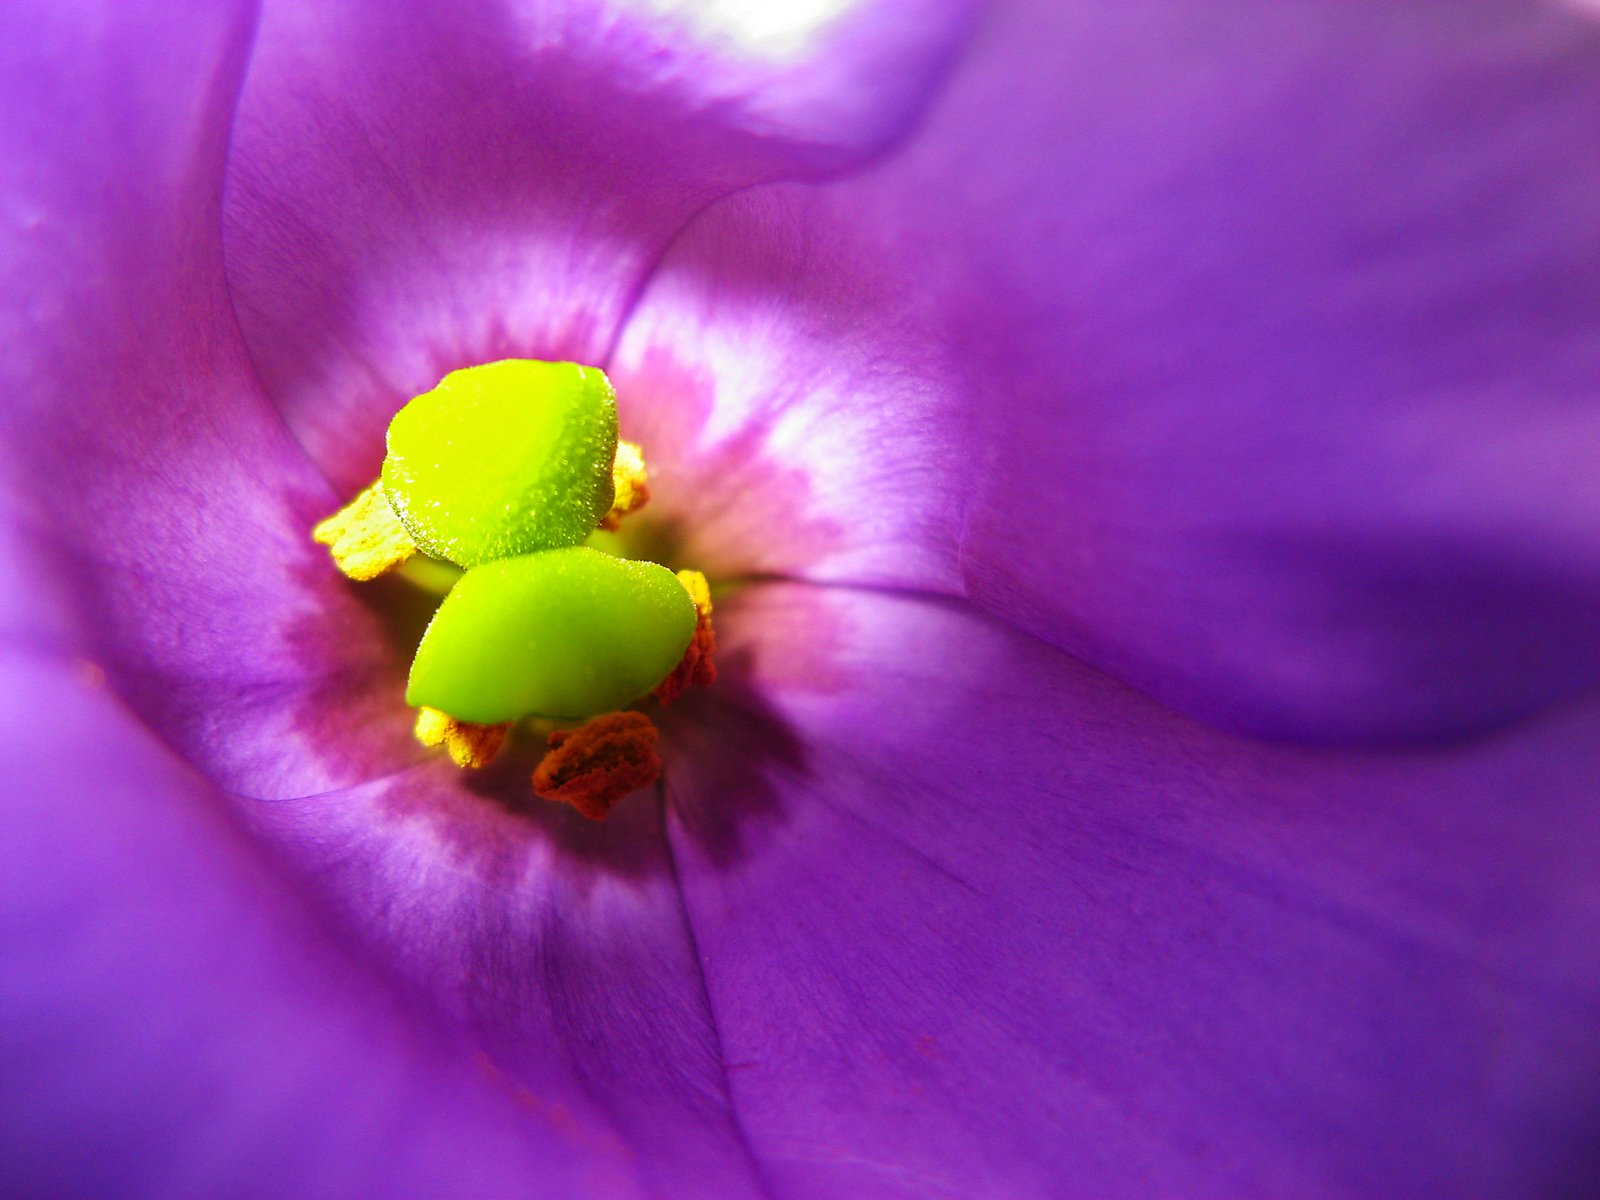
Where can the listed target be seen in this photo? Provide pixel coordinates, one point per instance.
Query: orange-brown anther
(597, 764)
(699, 664)
(631, 481)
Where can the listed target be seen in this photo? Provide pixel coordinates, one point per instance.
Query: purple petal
(178, 1023)
(1261, 341)
(556, 944)
(416, 188)
(976, 920)
(1305, 328)
(158, 508)
(773, 374)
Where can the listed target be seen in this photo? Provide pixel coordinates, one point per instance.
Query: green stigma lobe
(564, 633)
(503, 459)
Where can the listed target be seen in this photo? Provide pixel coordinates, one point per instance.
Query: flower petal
(159, 510)
(417, 188)
(555, 943)
(177, 1022)
(780, 381)
(1260, 342)
(828, 80)
(976, 920)
(1308, 358)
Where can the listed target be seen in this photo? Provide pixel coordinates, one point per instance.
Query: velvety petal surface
(797, 418)
(178, 1022)
(416, 188)
(1259, 342)
(557, 945)
(157, 508)
(1309, 333)
(976, 920)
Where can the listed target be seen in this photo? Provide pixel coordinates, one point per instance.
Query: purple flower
(1156, 753)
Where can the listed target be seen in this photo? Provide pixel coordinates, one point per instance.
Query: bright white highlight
(769, 27)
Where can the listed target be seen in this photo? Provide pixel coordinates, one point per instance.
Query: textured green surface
(563, 633)
(503, 459)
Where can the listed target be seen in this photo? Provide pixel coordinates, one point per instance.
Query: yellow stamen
(699, 591)
(365, 536)
(698, 665)
(468, 745)
(597, 764)
(632, 483)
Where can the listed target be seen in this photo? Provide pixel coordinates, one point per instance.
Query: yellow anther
(468, 745)
(365, 536)
(699, 591)
(698, 665)
(632, 483)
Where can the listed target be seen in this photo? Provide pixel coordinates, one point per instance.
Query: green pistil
(503, 459)
(491, 494)
(565, 633)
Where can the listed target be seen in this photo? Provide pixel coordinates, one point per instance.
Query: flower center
(503, 471)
